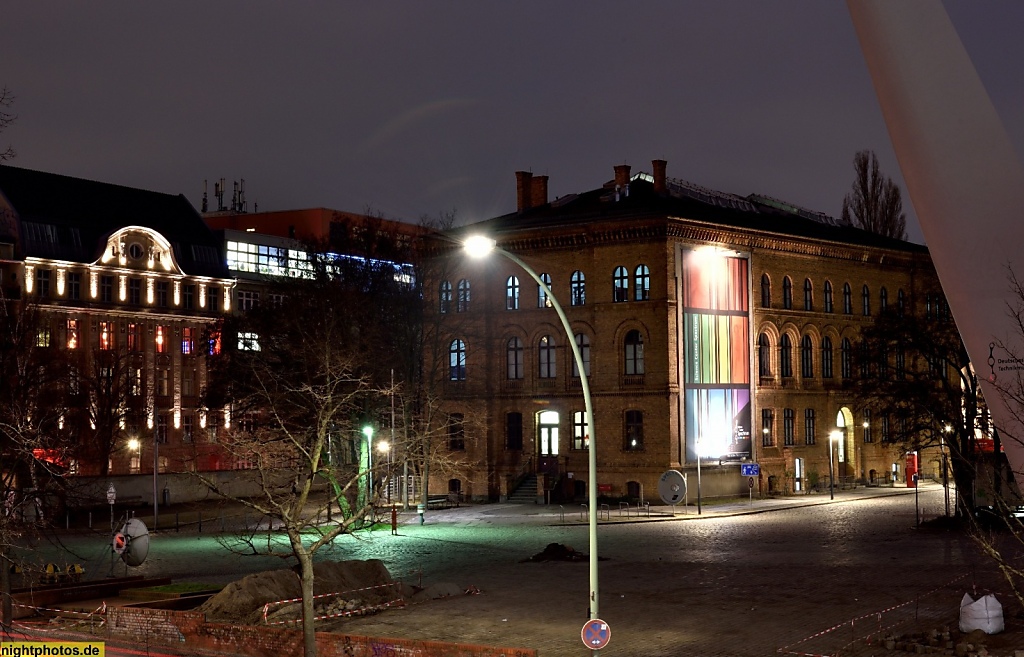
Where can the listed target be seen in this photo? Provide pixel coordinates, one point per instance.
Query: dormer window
(135, 251)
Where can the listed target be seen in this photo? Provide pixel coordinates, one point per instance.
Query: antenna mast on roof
(204, 196)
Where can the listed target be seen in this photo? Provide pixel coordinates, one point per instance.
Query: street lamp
(833, 439)
(479, 246)
(368, 432)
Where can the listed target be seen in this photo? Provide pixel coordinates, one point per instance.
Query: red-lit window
(134, 343)
(161, 340)
(72, 334)
(106, 336)
(187, 340)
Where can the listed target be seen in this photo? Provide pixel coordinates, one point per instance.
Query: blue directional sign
(596, 634)
(750, 469)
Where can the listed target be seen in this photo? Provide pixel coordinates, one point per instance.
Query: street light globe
(368, 431)
(133, 444)
(478, 246)
(383, 446)
(835, 436)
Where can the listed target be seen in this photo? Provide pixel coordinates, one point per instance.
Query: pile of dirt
(242, 601)
(558, 552)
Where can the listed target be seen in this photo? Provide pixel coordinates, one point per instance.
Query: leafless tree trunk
(874, 203)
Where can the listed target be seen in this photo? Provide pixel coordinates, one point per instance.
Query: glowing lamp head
(383, 446)
(478, 246)
(835, 436)
(133, 444)
(368, 432)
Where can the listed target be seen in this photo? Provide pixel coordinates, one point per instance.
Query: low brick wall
(174, 628)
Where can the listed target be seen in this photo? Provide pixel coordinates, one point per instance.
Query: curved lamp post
(477, 247)
(833, 439)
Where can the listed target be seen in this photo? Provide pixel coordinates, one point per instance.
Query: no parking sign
(596, 634)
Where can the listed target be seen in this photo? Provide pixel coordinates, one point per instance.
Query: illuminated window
(578, 288)
(512, 293)
(642, 283)
(133, 337)
(546, 357)
(767, 427)
(248, 341)
(186, 427)
(867, 426)
(634, 352)
(457, 361)
(106, 336)
(580, 434)
(135, 381)
(620, 285)
(634, 431)
(542, 298)
(43, 337)
(213, 346)
(187, 340)
(72, 334)
(514, 358)
(161, 339)
(462, 304)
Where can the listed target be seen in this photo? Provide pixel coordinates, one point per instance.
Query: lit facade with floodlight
(712, 326)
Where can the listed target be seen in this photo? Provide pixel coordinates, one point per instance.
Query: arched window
(901, 360)
(806, 358)
(642, 283)
(457, 360)
(928, 306)
(634, 352)
(785, 356)
(512, 293)
(764, 363)
(883, 300)
(546, 357)
(826, 358)
(809, 426)
(828, 297)
(766, 291)
(787, 293)
(901, 302)
(444, 296)
(462, 304)
(620, 285)
(847, 299)
(865, 361)
(542, 299)
(808, 295)
(514, 358)
(865, 295)
(578, 285)
(583, 342)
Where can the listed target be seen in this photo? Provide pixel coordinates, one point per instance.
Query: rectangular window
(162, 428)
(867, 426)
(74, 286)
(135, 382)
(42, 283)
(163, 382)
(767, 427)
(161, 339)
(580, 434)
(213, 419)
(43, 337)
(107, 289)
(514, 431)
(135, 291)
(247, 299)
(161, 293)
(107, 336)
(186, 427)
(634, 433)
(133, 337)
(188, 296)
(72, 334)
(809, 426)
(885, 428)
(788, 427)
(188, 382)
(187, 340)
(248, 341)
(456, 432)
(212, 298)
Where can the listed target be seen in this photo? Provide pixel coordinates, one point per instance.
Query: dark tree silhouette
(874, 203)
(6, 119)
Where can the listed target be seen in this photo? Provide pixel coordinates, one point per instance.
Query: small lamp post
(833, 439)
(385, 449)
(368, 432)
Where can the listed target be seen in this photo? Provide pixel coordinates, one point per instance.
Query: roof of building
(686, 201)
(75, 216)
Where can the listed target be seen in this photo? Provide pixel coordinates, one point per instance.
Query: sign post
(111, 498)
(750, 470)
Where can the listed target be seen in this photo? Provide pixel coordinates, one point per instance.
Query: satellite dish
(135, 541)
(672, 487)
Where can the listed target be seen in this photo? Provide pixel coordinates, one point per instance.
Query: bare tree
(874, 202)
(6, 119)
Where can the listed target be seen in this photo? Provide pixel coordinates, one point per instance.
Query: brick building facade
(708, 321)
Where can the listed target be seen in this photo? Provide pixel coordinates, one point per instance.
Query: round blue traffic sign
(596, 634)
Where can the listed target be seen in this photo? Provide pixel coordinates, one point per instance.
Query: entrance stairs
(526, 491)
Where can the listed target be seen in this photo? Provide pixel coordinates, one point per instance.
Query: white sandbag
(985, 614)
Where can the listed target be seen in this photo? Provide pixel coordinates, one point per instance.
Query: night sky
(416, 108)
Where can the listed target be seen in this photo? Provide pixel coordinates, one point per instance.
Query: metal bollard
(200, 522)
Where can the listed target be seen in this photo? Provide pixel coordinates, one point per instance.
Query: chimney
(658, 167)
(538, 191)
(621, 175)
(524, 191)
